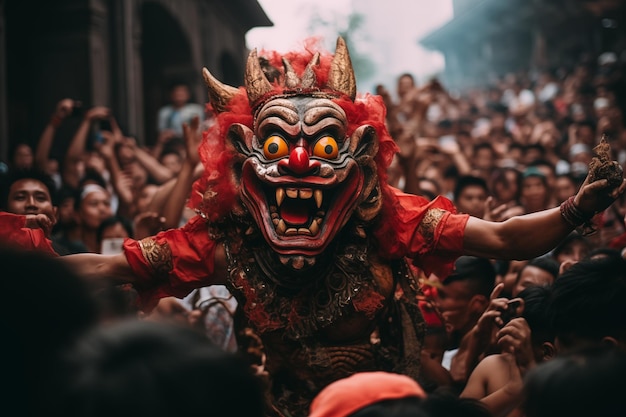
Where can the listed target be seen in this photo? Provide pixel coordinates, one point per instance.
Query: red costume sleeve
(172, 263)
(428, 232)
(13, 231)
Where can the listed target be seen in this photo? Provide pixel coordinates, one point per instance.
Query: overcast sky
(392, 30)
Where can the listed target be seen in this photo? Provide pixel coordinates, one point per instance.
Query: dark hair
(483, 145)
(141, 368)
(400, 407)
(588, 301)
(37, 327)
(479, 274)
(603, 252)
(572, 237)
(91, 175)
(583, 383)
(467, 181)
(29, 174)
(442, 403)
(499, 177)
(546, 263)
(112, 221)
(536, 302)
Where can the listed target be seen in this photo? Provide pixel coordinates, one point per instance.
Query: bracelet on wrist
(575, 217)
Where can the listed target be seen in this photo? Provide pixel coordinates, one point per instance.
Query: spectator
(470, 195)
(140, 368)
(172, 116)
(538, 272)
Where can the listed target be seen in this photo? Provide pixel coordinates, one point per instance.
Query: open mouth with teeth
(300, 216)
(298, 211)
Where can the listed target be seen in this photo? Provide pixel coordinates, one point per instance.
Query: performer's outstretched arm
(531, 235)
(93, 266)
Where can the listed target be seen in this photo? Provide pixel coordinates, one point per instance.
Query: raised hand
(515, 338)
(193, 138)
(40, 221)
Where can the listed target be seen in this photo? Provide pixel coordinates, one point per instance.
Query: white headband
(90, 188)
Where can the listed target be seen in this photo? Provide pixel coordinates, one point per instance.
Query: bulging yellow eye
(275, 147)
(326, 147)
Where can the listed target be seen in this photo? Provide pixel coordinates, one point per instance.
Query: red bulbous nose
(299, 160)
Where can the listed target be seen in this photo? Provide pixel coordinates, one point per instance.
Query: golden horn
(341, 76)
(308, 78)
(291, 79)
(219, 94)
(257, 84)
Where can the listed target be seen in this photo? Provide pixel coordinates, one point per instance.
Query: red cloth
(348, 395)
(428, 232)
(192, 263)
(13, 231)
(433, 247)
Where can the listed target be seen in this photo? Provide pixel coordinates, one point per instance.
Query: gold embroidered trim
(429, 223)
(158, 256)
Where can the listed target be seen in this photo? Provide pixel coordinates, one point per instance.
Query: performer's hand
(40, 221)
(597, 196)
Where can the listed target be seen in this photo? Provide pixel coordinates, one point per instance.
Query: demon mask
(303, 169)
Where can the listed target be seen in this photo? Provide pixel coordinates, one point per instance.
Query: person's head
(428, 188)
(587, 304)
(172, 161)
(534, 194)
(94, 206)
(369, 394)
(179, 95)
(546, 168)
(573, 248)
(54, 309)
(564, 187)
(141, 368)
(536, 301)
(465, 293)
(538, 272)
(484, 156)
(584, 383)
(406, 82)
(470, 194)
(22, 157)
(29, 192)
(507, 273)
(145, 196)
(506, 184)
(114, 227)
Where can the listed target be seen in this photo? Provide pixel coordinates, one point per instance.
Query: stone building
(118, 53)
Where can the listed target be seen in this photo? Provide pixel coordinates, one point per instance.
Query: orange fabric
(13, 231)
(348, 395)
(192, 263)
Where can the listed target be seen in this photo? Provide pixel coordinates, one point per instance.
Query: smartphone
(511, 311)
(105, 124)
(447, 140)
(111, 246)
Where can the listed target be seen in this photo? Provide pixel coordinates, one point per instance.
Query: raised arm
(174, 205)
(42, 153)
(93, 266)
(531, 235)
(76, 148)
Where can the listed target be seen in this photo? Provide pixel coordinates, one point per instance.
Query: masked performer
(296, 218)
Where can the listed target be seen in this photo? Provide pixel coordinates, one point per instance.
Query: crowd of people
(502, 338)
